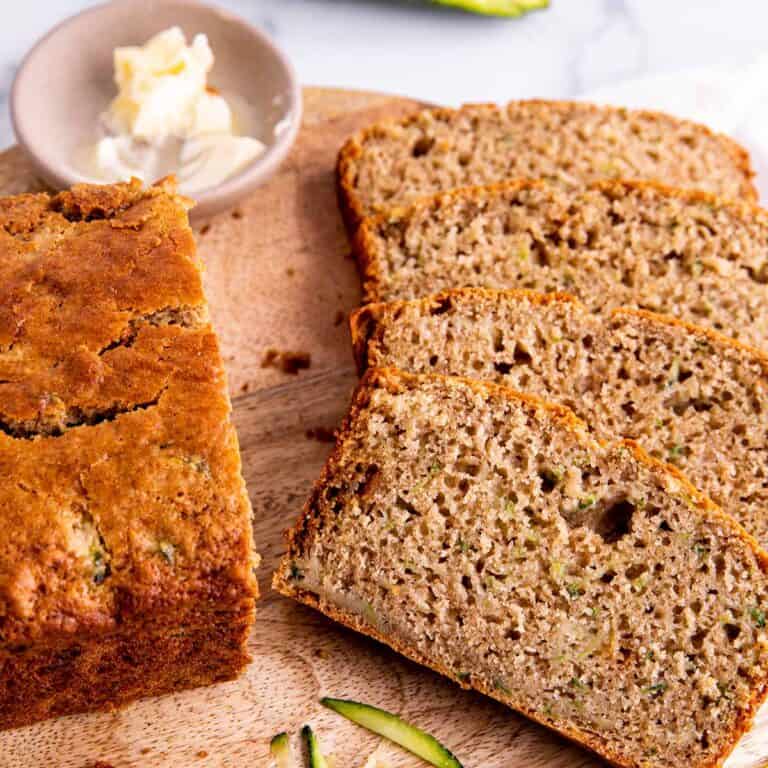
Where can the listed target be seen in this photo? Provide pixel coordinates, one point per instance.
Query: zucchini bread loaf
(614, 244)
(567, 143)
(126, 554)
(487, 535)
(690, 396)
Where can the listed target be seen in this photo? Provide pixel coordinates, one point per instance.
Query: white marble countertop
(409, 47)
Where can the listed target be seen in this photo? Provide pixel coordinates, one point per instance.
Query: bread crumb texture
(487, 535)
(565, 143)
(614, 244)
(126, 560)
(691, 397)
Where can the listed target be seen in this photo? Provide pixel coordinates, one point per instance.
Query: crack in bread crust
(73, 418)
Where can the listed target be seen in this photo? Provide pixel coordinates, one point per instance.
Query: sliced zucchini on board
(511, 8)
(280, 747)
(393, 728)
(316, 759)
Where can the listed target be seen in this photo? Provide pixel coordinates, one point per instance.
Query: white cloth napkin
(730, 101)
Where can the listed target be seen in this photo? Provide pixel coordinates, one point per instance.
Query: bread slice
(486, 534)
(568, 143)
(614, 244)
(691, 397)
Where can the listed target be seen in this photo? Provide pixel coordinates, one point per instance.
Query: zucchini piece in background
(393, 728)
(511, 8)
(316, 759)
(280, 747)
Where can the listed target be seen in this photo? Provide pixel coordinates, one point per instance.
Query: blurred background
(573, 48)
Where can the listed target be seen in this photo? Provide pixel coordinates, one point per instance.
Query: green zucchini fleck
(167, 551)
(724, 690)
(758, 616)
(100, 566)
(393, 728)
(676, 451)
(574, 589)
(316, 759)
(657, 689)
(280, 748)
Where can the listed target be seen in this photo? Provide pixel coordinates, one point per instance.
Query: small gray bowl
(65, 83)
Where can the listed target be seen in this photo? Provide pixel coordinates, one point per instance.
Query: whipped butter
(167, 119)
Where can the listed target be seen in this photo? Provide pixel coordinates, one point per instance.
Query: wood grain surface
(279, 276)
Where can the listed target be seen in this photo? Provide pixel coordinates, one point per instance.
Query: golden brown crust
(127, 511)
(364, 237)
(353, 211)
(310, 521)
(146, 663)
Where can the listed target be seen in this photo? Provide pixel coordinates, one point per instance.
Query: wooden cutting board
(279, 276)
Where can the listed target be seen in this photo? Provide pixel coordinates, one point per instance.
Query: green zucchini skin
(316, 759)
(508, 8)
(393, 728)
(280, 748)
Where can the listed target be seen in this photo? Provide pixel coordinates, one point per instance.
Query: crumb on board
(245, 387)
(237, 214)
(287, 362)
(321, 434)
(205, 229)
(202, 753)
(338, 318)
(290, 271)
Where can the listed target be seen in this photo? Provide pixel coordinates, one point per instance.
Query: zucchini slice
(393, 728)
(316, 759)
(280, 747)
(509, 8)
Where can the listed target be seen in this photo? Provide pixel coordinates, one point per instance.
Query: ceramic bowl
(66, 82)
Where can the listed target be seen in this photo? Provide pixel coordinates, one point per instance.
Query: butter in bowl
(158, 88)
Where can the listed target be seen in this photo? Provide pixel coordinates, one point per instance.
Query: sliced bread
(568, 143)
(691, 397)
(487, 535)
(614, 244)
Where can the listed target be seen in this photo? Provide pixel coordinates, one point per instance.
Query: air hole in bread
(521, 356)
(635, 571)
(422, 146)
(549, 480)
(442, 305)
(615, 521)
(629, 408)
